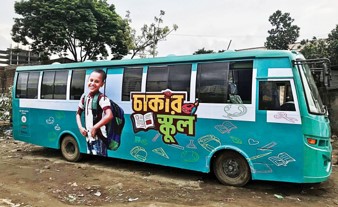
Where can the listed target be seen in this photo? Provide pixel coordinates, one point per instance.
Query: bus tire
(70, 149)
(231, 168)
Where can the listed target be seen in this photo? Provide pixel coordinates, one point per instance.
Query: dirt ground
(36, 176)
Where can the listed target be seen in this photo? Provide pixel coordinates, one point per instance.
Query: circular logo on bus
(23, 119)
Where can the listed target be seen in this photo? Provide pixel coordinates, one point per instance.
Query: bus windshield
(314, 101)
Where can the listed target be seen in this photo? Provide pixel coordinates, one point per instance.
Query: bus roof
(245, 54)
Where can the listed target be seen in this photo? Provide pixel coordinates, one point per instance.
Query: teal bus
(243, 115)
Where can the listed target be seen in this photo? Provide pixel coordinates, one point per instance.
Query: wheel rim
(70, 148)
(231, 168)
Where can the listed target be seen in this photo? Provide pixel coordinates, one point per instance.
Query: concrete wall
(6, 78)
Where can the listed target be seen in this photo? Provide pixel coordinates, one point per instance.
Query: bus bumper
(317, 163)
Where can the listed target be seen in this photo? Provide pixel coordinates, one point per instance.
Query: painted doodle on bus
(165, 112)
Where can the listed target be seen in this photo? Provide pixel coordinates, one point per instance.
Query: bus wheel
(231, 168)
(70, 149)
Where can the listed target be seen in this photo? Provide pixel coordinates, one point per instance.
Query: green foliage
(6, 106)
(315, 48)
(332, 42)
(85, 28)
(283, 32)
(146, 44)
(322, 48)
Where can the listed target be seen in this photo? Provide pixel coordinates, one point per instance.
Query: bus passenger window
(47, 87)
(179, 77)
(32, 86)
(240, 82)
(54, 85)
(27, 85)
(21, 85)
(60, 83)
(77, 84)
(132, 81)
(173, 77)
(276, 95)
(157, 78)
(212, 82)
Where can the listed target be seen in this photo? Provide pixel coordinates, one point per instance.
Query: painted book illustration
(225, 127)
(281, 159)
(143, 121)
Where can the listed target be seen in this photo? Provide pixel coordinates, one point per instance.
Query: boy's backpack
(114, 127)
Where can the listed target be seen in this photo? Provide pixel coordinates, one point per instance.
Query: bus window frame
(309, 96)
(293, 93)
(232, 69)
(29, 73)
(66, 95)
(124, 78)
(70, 81)
(17, 84)
(168, 81)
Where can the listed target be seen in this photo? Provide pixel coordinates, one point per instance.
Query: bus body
(245, 115)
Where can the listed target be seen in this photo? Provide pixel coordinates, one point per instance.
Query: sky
(211, 24)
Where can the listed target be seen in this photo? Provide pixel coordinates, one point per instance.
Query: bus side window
(212, 82)
(54, 85)
(21, 85)
(179, 78)
(77, 84)
(276, 95)
(157, 77)
(32, 86)
(224, 82)
(240, 82)
(27, 85)
(173, 77)
(132, 81)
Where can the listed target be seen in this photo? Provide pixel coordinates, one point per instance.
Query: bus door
(279, 134)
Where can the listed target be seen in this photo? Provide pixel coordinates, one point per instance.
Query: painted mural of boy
(95, 130)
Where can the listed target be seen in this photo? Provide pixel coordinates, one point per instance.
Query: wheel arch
(69, 133)
(231, 166)
(216, 152)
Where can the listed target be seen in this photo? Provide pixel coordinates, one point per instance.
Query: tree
(85, 28)
(283, 32)
(315, 48)
(320, 48)
(332, 41)
(203, 51)
(146, 43)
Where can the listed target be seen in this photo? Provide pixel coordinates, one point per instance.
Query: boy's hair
(102, 73)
